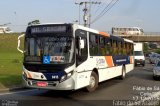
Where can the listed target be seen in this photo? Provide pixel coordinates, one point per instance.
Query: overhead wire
(99, 7)
(108, 6)
(93, 5)
(105, 10)
(111, 6)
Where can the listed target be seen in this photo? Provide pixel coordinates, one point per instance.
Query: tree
(158, 51)
(34, 22)
(145, 48)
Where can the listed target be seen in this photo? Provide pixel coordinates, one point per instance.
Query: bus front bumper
(68, 84)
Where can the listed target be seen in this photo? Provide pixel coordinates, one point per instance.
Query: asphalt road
(137, 86)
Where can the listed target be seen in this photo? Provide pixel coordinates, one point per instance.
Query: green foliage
(145, 48)
(157, 51)
(10, 61)
(34, 22)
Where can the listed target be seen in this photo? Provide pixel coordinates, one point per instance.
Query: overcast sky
(125, 13)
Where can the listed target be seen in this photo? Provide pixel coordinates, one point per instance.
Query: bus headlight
(66, 76)
(25, 76)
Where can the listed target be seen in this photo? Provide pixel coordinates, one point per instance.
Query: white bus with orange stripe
(70, 57)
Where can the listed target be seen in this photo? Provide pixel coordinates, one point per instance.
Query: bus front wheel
(93, 83)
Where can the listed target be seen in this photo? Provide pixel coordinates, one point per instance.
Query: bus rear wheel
(93, 83)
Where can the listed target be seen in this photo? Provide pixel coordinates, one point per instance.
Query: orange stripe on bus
(109, 61)
(103, 33)
(29, 75)
(131, 59)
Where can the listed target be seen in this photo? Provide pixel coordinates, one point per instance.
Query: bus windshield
(59, 48)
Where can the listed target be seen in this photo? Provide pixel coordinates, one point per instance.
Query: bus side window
(119, 48)
(115, 49)
(111, 46)
(84, 51)
(102, 50)
(81, 54)
(128, 49)
(107, 46)
(131, 49)
(93, 44)
(124, 48)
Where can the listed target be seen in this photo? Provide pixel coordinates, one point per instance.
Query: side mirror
(81, 44)
(19, 43)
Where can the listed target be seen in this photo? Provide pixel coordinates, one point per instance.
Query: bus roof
(46, 24)
(87, 29)
(127, 40)
(118, 38)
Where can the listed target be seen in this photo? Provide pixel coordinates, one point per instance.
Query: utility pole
(87, 12)
(85, 17)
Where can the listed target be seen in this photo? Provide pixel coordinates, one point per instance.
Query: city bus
(127, 31)
(70, 57)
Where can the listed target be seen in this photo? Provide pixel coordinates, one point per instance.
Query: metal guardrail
(152, 33)
(143, 38)
(145, 34)
(146, 37)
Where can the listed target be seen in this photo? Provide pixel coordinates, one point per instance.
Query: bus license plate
(42, 84)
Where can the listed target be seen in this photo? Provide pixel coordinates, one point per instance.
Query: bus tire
(123, 76)
(93, 83)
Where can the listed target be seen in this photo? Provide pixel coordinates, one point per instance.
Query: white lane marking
(8, 93)
(155, 95)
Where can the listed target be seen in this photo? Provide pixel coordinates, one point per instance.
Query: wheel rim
(92, 81)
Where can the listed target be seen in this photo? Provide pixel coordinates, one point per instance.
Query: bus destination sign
(48, 29)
